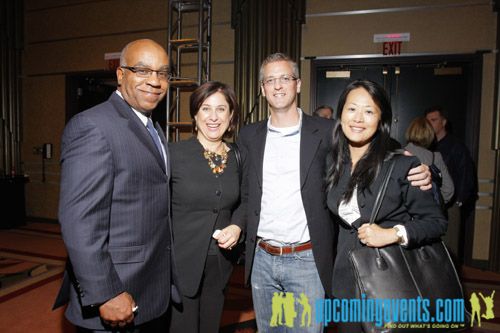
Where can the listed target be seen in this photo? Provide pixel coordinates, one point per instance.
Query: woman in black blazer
(205, 191)
(360, 157)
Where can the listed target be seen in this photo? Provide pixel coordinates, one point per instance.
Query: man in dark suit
(290, 235)
(114, 203)
(463, 171)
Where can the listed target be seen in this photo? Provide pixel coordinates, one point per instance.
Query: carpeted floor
(32, 261)
(26, 306)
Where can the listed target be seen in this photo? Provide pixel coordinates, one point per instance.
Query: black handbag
(404, 275)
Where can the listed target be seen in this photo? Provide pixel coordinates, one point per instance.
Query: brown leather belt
(280, 250)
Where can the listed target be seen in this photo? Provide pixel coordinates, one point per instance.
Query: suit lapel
(257, 147)
(137, 127)
(309, 143)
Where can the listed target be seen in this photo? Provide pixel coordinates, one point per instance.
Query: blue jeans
(284, 290)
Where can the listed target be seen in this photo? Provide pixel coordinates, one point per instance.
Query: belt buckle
(281, 250)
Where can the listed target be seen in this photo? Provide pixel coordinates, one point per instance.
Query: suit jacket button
(215, 210)
(256, 212)
(218, 193)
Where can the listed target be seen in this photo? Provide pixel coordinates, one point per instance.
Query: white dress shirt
(282, 216)
(349, 212)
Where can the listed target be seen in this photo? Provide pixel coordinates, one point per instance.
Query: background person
(324, 111)
(205, 191)
(420, 136)
(360, 157)
(463, 172)
(114, 203)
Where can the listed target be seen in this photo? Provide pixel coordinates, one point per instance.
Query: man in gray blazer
(114, 203)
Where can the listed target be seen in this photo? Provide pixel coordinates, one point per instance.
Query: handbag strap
(237, 155)
(381, 193)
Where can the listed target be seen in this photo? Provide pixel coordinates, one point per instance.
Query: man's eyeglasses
(284, 79)
(147, 72)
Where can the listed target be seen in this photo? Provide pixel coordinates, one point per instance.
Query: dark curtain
(262, 27)
(11, 44)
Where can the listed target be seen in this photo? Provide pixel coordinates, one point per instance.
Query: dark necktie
(154, 136)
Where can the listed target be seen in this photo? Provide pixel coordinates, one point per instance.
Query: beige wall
(72, 36)
(439, 30)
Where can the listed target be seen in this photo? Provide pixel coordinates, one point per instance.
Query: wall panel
(434, 31)
(95, 19)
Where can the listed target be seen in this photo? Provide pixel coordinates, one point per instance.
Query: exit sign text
(391, 48)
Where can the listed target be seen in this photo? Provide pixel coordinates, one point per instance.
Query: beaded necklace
(216, 162)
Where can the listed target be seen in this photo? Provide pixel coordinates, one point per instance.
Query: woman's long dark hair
(380, 148)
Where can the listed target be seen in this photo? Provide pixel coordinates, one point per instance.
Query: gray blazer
(428, 157)
(114, 214)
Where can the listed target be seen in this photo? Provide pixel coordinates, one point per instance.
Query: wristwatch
(399, 234)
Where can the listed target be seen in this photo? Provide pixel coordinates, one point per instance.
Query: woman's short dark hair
(206, 90)
(380, 148)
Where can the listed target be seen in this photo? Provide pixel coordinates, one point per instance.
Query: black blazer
(201, 203)
(314, 145)
(403, 204)
(114, 214)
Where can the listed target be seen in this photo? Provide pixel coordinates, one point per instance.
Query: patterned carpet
(20, 272)
(32, 261)
(30, 257)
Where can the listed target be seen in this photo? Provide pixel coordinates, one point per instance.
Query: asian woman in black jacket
(360, 156)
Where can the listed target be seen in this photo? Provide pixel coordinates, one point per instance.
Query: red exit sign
(391, 48)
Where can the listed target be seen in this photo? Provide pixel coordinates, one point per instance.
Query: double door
(413, 85)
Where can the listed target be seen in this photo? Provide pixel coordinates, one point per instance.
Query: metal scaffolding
(183, 45)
